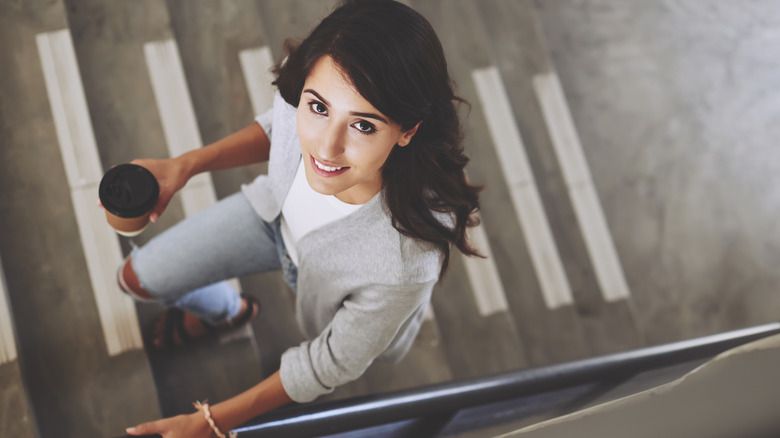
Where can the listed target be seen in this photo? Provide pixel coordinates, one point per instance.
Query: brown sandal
(173, 325)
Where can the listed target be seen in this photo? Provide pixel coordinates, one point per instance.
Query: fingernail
(153, 217)
(130, 430)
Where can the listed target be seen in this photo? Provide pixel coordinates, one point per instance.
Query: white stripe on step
(522, 187)
(104, 255)
(178, 117)
(256, 65)
(576, 173)
(83, 169)
(178, 120)
(483, 275)
(7, 342)
(172, 96)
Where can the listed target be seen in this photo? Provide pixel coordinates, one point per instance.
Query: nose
(331, 142)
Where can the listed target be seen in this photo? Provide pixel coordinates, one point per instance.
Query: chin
(322, 189)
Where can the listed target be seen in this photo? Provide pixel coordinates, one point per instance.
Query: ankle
(242, 309)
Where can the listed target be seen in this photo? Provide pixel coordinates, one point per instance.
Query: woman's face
(344, 139)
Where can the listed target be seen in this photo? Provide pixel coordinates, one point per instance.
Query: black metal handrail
(371, 410)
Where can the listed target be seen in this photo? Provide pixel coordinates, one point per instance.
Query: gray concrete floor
(678, 108)
(676, 104)
(16, 417)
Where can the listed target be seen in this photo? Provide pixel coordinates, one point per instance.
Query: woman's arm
(227, 415)
(247, 146)
(263, 397)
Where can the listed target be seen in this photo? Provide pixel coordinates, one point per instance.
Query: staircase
(86, 84)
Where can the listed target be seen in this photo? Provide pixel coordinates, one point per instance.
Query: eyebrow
(354, 113)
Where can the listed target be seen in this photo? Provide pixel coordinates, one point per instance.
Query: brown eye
(364, 127)
(318, 108)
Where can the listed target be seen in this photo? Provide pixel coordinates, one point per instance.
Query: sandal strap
(181, 329)
(209, 326)
(169, 328)
(249, 313)
(174, 324)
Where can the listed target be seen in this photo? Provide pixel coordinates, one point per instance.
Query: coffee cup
(128, 193)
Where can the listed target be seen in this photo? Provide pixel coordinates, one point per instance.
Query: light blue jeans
(186, 266)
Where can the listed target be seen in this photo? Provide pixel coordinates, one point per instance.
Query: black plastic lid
(128, 190)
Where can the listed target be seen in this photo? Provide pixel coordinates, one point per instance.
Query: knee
(129, 282)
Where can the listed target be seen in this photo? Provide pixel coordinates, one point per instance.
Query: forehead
(325, 68)
(332, 83)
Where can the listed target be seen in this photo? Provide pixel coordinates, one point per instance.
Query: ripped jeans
(187, 265)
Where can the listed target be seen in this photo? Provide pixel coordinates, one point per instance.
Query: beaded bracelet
(206, 413)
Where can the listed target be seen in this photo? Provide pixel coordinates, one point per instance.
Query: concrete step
(602, 299)
(16, 415)
(76, 385)
(495, 51)
(140, 107)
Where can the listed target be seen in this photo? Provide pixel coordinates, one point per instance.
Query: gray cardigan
(363, 287)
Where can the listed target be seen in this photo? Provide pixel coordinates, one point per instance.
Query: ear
(406, 136)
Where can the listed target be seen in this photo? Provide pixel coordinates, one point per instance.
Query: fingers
(158, 209)
(142, 429)
(179, 426)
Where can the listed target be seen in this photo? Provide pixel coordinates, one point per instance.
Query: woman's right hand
(181, 426)
(171, 175)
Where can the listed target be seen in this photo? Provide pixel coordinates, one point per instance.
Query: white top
(304, 210)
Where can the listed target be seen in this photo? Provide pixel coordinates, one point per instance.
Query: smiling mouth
(324, 167)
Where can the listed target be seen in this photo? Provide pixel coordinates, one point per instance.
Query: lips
(325, 170)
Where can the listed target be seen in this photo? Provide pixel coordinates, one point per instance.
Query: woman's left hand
(180, 426)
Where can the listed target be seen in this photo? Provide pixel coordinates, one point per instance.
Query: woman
(364, 196)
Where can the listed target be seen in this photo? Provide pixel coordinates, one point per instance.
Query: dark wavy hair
(395, 61)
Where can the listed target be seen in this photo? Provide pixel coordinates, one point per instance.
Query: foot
(176, 328)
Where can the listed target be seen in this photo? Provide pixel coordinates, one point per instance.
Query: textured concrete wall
(678, 108)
